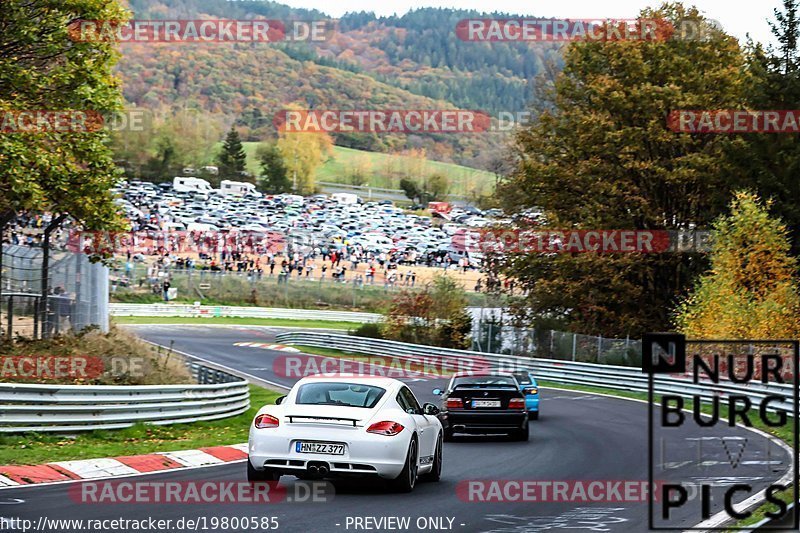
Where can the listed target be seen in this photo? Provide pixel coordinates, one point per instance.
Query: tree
(787, 31)
(303, 154)
(437, 186)
(436, 315)
(599, 156)
(42, 67)
(232, 159)
(359, 169)
(410, 189)
(773, 161)
(274, 177)
(751, 290)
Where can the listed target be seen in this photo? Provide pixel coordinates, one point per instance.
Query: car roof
(385, 383)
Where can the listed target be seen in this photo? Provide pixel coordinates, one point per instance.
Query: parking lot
(317, 237)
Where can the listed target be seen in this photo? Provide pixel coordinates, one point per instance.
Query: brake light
(266, 421)
(516, 403)
(386, 427)
(454, 403)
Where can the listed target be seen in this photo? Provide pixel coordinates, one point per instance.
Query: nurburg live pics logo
(727, 373)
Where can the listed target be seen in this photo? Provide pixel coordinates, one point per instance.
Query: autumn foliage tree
(303, 153)
(436, 315)
(751, 289)
(44, 67)
(600, 156)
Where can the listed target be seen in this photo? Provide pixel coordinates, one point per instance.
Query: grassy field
(385, 170)
(33, 448)
(235, 321)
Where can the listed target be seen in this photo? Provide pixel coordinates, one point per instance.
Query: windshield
(342, 394)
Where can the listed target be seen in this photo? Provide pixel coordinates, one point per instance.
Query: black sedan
(488, 403)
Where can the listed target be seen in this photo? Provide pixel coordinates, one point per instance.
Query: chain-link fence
(46, 292)
(493, 334)
(141, 283)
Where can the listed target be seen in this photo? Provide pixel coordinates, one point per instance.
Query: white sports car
(334, 426)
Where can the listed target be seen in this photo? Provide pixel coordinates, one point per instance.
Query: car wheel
(436, 472)
(408, 477)
(533, 415)
(522, 434)
(254, 475)
(447, 434)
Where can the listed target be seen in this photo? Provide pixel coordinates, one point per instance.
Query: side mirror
(530, 390)
(280, 400)
(438, 392)
(430, 409)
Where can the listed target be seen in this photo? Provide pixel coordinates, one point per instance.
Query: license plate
(485, 403)
(329, 448)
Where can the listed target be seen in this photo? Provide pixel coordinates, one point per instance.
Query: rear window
(341, 394)
(478, 381)
(523, 378)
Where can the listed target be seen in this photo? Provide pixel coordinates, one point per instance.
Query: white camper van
(188, 184)
(344, 198)
(238, 188)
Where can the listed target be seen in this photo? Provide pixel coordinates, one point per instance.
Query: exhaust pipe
(313, 469)
(459, 427)
(322, 470)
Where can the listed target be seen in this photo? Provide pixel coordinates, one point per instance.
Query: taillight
(266, 421)
(454, 403)
(516, 403)
(385, 428)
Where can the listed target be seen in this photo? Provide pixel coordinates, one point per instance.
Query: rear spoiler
(291, 417)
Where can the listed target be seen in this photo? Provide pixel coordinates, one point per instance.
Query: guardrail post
(574, 345)
(552, 334)
(10, 317)
(599, 348)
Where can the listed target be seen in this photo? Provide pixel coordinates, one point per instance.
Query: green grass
(238, 321)
(385, 170)
(38, 448)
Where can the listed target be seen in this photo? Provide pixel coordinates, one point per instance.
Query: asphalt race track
(580, 436)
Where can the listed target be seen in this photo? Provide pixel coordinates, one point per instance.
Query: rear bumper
(365, 454)
(532, 405)
(483, 422)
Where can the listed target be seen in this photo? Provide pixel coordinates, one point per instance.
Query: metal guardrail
(59, 408)
(186, 310)
(590, 374)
